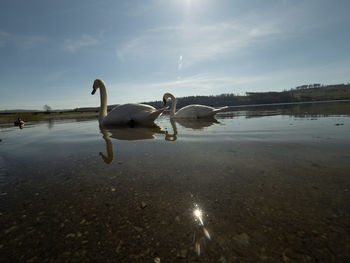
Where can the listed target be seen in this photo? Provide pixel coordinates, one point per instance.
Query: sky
(52, 51)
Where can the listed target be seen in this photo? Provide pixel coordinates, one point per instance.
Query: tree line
(305, 93)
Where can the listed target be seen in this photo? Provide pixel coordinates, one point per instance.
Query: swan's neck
(173, 105)
(103, 107)
(109, 148)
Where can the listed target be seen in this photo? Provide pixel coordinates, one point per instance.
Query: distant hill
(17, 111)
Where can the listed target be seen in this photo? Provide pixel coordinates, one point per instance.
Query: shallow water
(272, 184)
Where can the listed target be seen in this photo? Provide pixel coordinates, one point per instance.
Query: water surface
(271, 184)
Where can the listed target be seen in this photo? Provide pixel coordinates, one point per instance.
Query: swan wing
(220, 109)
(125, 113)
(194, 112)
(197, 111)
(148, 116)
(209, 112)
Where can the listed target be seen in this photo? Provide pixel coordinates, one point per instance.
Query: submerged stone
(143, 205)
(242, 239)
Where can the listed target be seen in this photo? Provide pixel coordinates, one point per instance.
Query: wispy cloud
(20, 41)
(192, 85)
(56, 75)
(72, 45)
(197, 43)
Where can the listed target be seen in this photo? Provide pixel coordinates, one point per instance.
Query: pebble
(183, 253)
(70, 235)
(13, 228)
(138, 229)
(143, 205)
(242, 239)
(66, 254)
(33, 259)
(156, 260)
(284, 254)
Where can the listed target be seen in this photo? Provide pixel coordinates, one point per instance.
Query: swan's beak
(164, 101)
(93, 92)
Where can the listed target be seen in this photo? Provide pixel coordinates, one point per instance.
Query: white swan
(191, 111)
(126, 113)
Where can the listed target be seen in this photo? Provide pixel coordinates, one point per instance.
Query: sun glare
(197, 213)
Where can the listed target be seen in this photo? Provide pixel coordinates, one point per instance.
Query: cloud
(20, 41)
(84, 41)
(53, 76)
(198, 43)
(193, 85)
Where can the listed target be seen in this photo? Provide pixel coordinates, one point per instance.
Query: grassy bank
(37, 116)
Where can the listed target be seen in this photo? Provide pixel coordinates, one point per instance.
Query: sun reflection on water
(198, 215)
(200, 241)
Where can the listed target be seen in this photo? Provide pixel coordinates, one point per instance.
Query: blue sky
(51, 51)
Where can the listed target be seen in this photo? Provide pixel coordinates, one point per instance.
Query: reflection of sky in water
(83, 139)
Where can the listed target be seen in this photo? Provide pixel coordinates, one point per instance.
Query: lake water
(260, 184)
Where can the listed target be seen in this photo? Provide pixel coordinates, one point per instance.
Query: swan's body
(194, 111)
(126, 113)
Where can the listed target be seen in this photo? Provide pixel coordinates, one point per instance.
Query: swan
(191, 111)
(125, 113)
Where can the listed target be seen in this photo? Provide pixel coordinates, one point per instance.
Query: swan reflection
(196, 124)
(172, 136)
(127, 133)
(109, 147)
(133, 133)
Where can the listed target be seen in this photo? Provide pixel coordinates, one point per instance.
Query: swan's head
(166, 96)
(97, 84)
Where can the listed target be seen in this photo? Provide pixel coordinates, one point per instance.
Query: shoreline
(9, 118)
